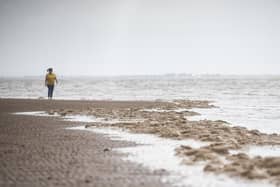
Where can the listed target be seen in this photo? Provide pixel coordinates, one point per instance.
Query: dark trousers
(50, 90)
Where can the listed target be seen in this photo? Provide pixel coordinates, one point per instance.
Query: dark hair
(49, 69)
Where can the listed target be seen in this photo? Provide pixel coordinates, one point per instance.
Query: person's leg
(49, 91)
(52, 88)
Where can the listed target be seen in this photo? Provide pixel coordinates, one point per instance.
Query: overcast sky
(126, 37)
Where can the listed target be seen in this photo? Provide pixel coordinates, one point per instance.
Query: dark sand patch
(39, 151)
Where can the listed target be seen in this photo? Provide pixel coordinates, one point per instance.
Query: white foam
(79, 118)
(35, 113)
(263, 151)
(237, 117)
(158, 153)
(83, 118)
(93, 119)
(161, 110)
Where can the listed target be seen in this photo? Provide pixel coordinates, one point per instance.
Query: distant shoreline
(171, 75)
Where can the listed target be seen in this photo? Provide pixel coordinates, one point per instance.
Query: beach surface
(58, 143)
(40, 151)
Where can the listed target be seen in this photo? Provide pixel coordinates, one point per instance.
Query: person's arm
(56, 80)
(46, 80)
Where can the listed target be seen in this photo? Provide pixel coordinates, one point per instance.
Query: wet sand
(165, 119)
(39, 151)
(172, 120)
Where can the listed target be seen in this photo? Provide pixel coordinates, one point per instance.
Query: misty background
(132, 37)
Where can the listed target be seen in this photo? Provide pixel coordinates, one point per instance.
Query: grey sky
(112, 37)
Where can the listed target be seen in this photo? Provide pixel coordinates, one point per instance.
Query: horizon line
(141, 75)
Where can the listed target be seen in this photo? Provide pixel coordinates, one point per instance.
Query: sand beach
(38, 150)
(139, 93)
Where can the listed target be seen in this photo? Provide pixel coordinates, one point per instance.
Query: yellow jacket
(50, 79)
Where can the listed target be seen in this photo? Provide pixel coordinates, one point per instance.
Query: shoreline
(40, 151)
(171, 120)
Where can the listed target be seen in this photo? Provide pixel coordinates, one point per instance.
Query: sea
(242, 100)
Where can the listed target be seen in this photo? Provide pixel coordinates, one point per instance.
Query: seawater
(250, 101)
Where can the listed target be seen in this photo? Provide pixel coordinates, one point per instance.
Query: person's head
(50, 70)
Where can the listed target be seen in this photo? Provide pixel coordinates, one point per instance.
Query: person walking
(50, 82)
